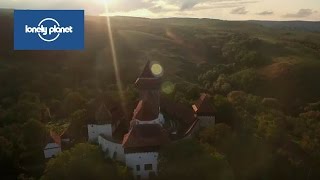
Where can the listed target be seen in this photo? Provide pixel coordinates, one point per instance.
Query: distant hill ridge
(291, 25)
(313, 26)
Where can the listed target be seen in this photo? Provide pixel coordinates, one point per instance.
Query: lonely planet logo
(53, 32)
(49, 29)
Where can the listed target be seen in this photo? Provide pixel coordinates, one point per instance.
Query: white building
(204, 111)
(112, 148)
(104, 124)
(94, 130)
(53, 146)
(56, 143)
(141, 146)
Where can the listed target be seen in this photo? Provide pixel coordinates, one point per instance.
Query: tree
(27, 107)
(6, 154)
(83, 162)
(34, 133)
(306, 129)
(218, 135)
(246, 80)
(222, 84)
(188, 159)
(224, 109)
(73, 101)
(78, 123)
(270, 126)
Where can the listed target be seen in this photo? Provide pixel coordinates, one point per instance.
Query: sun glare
(106, 1)
(156, 69)
(167, 87)
(115, 59)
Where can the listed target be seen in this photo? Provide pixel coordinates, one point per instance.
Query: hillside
(181, 45)
(262, 78)
(291, 25)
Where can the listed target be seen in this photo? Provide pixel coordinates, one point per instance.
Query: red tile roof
(202, 106)
(53, 137)
(65, 134)
(145, 135)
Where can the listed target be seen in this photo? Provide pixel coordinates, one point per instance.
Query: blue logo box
(48, 29)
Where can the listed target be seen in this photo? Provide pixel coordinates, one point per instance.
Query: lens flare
(167, 87)
(156, 69)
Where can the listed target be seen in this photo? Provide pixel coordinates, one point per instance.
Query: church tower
(148, 108)
(146, 134)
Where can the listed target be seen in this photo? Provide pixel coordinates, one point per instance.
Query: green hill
(263, 78)
(186, 48)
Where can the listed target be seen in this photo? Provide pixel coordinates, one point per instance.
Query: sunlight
(106, 1)
(115, 60)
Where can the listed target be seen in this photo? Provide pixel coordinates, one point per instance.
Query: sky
(280, 10)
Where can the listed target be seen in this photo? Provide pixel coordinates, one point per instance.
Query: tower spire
(149, 87)
(147, 73)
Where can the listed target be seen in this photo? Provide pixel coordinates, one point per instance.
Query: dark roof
(177, 110)
(202, 106)
(147, 73)
(184, 114)
(145, 135)
(147, 109)
(103, 115)
(148, 83)
(117, 114)
(191, 128)
(106, 105)
(147, 80)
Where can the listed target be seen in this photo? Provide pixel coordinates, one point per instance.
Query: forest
(263, 82)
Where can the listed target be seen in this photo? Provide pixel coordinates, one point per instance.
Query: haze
(308, 10)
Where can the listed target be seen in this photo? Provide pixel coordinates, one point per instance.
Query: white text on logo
(42, 30)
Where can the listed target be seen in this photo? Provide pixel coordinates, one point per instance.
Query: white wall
(134, 159)
(205, 121)
(51, 149)
(111, 148)
(160, 120)
(95, 130)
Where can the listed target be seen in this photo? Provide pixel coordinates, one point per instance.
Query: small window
(138, 167)
(148, 167)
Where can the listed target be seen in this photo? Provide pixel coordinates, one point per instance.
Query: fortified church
(139, 147)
